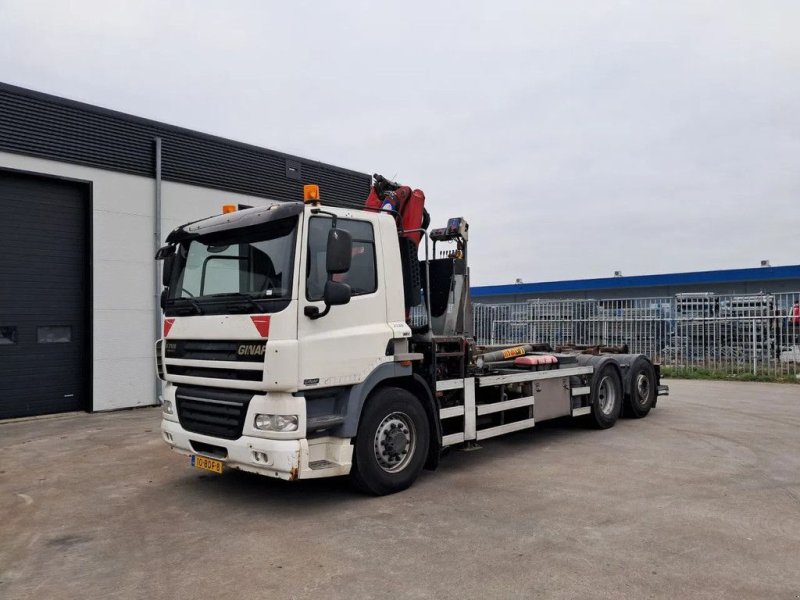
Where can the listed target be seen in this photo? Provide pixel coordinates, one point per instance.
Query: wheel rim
(642, 388)
(606, 395)
(395, 442)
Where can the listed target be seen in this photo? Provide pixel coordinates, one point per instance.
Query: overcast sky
(577, 138)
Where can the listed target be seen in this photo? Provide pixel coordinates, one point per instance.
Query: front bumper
(285, 459)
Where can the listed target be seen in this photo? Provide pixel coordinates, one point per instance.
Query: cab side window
(362, 276)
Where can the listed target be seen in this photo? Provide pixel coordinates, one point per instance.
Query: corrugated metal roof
(51, 127)
(638, 281)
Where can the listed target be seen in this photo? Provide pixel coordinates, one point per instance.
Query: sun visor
(248, 219)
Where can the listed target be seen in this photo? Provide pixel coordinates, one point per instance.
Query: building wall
(53, 128)
(124, 304)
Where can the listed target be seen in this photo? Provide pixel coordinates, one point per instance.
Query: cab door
(345, 345)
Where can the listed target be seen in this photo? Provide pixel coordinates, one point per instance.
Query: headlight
(263, 422)
(285, 422)
(167, 407)
(276, 422)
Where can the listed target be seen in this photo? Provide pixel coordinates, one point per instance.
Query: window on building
(54, 334)
(8, 335)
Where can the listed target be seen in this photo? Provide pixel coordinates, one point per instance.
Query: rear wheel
(641, 395)
(391, 444)
(606, 397)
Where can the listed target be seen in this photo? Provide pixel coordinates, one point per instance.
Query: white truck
(305, 341)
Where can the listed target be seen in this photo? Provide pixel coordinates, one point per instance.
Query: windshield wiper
(194, 304)
(240, 296)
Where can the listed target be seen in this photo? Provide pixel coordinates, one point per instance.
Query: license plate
(207, 464)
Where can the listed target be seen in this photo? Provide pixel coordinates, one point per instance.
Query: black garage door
(43, 295)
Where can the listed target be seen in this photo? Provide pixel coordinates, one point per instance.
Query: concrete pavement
(699, 500)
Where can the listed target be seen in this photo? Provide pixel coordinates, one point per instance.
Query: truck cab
(269, 351)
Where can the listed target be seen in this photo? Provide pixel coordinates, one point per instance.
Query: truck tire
(391, 444)
(641, 388)
(606, 396)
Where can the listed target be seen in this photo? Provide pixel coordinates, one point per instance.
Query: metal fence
(730, 334)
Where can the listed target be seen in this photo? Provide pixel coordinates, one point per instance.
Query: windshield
(240, 272)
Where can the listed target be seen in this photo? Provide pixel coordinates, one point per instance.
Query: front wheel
(391, 444)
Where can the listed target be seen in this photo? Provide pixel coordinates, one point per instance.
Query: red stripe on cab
(262, 324)
(168, 325)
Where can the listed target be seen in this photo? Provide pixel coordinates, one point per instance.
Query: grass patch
(705, 373)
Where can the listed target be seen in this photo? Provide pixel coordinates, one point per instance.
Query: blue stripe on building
(672, 280)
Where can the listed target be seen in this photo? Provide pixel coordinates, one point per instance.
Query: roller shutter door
(44, 294)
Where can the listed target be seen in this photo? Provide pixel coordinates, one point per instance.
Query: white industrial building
(84, 194)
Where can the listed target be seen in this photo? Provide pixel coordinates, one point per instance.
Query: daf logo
(251, 350)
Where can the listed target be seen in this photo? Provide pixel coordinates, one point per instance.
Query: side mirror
(339, 252)
(165, 251)
(167, 254)
(338, 257)
(336, 293)
(166, 269)
(164, 294)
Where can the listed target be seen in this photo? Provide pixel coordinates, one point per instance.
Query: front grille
(209, 449)
(229, 350)
(235, 374)
(237, 352)
(209, 411)
(159, 359)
